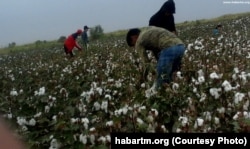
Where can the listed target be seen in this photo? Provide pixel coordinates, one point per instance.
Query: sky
(27, 21)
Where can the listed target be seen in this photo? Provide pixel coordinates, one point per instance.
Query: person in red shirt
(71, 42)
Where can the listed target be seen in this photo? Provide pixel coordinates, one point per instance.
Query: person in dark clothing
(164, 17)
(85, 38)
(71, 42)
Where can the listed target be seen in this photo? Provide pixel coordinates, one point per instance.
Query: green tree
(12, 45)
(96, 32)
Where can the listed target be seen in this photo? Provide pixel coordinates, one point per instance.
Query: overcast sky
(26, 21)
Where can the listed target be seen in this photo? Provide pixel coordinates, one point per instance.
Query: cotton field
(54, 102)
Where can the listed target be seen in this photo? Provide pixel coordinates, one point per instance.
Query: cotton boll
(238, 97)
(83, 139)
(216, 120)
(109, 123)
(140, 121)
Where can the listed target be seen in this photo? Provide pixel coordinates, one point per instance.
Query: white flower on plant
(140, 121)
(203, 97)
(54, 118)
(54, 144)
(221, 110)
(109, 123)
(184, 121)
(107, 96)
(215, 92)
(246, 115)
(40, 92)
(9, 116)
(21, 121)
(214, 75)
(227, 86)
(102, 139)
(236, 116)
(92, 139)
(32, 122)
(83, 138)
(151, 91)
(108, 138)
(97, 106)
(154, 112)
(199, 122)
(178, 74)
(85, 122)
(13, 92)
(99, 90)
(178, 130)
(38, 114)
(246, 105)
(104, 106)
(201, 79)
(24, 128)
(236, 70)
(118, 84)
(175, 86)
(150, 118)
(207, 115)
(216, 120)
(74, 120)
(46, 109)
(238, 97)
(143, 85)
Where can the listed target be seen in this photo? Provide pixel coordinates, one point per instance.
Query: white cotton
(108, 138)
(151, 91)
(154, 112)
(227, 86)
(150, 118)
(13, 92)
(199, 122)
(246, 115)
(104, 106)
(246, 105)
(99, 90)
(236, 116)
(184, 121)
(216, 120)
(125, 110)
(203, 97)
(109, 123)
(236, 70)
(85, 120)
(140, 121)
(21, 121)
(215, 92)
(238, 97)
(54, 144)
(97, 106)
(9, 116)
(143, 85)
(207, 115)
(179, 75)
(221, 110)
(107, 96)
(201, 79)
(175, 86)
(200, 73)
(32, 122)
(178, 130)
(102, 139)
(46, 109)
(214, 75)
(92, 139)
